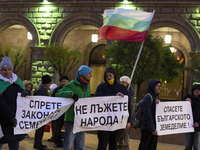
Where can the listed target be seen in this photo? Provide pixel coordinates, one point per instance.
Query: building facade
(72, 22)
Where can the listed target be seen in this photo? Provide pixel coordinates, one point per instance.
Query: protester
(58, 124)
(29, 86)
(125, 80)
(77, 88)
(192, 139)
(111, 88)
(10, 85)
(52, 88)
(42, 90)
(148, 129)
(124, 139)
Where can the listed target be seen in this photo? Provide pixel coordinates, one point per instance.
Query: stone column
(39, 66)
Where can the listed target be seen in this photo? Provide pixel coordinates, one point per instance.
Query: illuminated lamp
(125, 1)
(95, 38)
(168, 38)
(29, 36)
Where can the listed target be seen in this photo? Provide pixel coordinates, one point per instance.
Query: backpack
(137, 113)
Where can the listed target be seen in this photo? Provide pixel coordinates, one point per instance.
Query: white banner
(101, 113)
(34, 112)
(174, 117)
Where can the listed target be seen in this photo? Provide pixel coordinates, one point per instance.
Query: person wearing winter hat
(52, 87)
(63, 81)
(6, 62)
(10, 85)
(125, 80)
(75, 89)
(111, 88)
(124, 139)
(192, 138)
(42, 90)
(57, 125)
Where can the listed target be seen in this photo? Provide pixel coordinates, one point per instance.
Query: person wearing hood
(111, 88)
(149, 136)
(10, 86)
(75, 89)
(192, 139)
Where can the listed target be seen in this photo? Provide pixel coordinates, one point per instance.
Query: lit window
(168, 38)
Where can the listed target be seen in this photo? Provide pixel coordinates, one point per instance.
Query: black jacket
(149, 108)
(56, 90)
(131, 96)
(54, 95)
(8, 105)
(41, 90)
(105, 89)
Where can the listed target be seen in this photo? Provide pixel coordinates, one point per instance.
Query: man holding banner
(58, 124)
(111, 88)
(148, 129)
(41, 90)
(77, 88)
(10, 85)
(192, 139)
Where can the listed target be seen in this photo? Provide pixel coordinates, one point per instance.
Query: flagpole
(136, 63)
(138, 56)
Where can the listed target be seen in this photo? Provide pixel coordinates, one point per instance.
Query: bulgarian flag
(125, 25)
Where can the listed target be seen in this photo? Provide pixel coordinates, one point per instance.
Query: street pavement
(90, 143)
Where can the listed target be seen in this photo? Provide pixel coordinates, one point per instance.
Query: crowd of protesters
(11, 85)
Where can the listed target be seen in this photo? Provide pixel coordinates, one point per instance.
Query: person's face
(29, 87)
(63, 82)
(47, 85)
(6, 72)
(88, 76)
(196, 93)
(109, 75)
(125, 84)
(157, 88)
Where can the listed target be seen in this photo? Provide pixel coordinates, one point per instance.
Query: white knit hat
(52, 87)
(6, 62)
(125, 79)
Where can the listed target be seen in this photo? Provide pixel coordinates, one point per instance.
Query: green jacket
(4, 85)
(68, 90)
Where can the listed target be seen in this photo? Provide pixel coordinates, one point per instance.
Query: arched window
(174, 90)
(97, 64)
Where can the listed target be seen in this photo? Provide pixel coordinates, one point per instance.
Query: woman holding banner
(10, 85)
